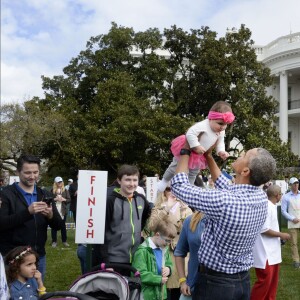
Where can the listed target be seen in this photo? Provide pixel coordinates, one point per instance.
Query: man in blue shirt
(235, 214)
(290, 209)
(24, 216)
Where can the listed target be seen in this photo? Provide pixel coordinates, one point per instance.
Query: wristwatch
(185, 152)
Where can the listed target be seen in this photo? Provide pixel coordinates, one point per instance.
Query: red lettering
(93, 178)
(90, 223)
(91, 212)
(92, 190)
(90, 233)
(91, 201)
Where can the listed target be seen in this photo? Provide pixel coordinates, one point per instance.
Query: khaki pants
(294, 245)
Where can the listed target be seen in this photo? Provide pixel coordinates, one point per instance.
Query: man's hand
(210, 150)
(285, 236)
(185, 289)
(296, 220)
(48, 212)
(37, 207)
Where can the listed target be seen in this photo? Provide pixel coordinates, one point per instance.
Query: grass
(63, 268)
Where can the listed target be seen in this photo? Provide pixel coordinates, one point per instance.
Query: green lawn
(63, 268)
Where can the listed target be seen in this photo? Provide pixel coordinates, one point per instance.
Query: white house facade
(282, 56)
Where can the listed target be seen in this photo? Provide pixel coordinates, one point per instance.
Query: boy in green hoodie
(152, 258)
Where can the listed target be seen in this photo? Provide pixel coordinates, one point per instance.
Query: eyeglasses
(168, 241)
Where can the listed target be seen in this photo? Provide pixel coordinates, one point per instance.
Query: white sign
(13, 179)
(283, 184)
(151, 188)
(91, 207)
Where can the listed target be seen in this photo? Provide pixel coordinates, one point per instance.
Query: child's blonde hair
(161, 198)
(162, 222)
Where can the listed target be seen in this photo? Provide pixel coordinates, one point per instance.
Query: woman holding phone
(61, 198)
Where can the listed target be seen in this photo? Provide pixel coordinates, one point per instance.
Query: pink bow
(228, 117)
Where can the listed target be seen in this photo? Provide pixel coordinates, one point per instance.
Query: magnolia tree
(128, 94)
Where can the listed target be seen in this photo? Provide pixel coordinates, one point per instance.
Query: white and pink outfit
(199, 134)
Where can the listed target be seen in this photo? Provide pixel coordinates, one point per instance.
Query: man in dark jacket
(24, 213)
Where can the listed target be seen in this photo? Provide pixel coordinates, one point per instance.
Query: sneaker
(66, 244)
(296, 265)
(54, 244)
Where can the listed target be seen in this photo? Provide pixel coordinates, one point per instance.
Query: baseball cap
(70, 180)
(293, 180)
(58, 179)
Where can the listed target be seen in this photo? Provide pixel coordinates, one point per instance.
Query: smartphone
(48, 200)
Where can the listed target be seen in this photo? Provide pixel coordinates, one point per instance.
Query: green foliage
(122, 99)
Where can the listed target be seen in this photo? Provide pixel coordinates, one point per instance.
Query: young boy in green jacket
(152, 258)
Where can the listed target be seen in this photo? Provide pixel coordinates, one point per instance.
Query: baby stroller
(69, 295)
(102, 283)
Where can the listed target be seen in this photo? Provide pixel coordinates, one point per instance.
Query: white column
(283, 107)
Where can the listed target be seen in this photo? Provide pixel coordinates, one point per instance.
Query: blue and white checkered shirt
(235, 215)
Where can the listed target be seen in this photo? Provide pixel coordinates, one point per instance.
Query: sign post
(151, 188)
(91, 209)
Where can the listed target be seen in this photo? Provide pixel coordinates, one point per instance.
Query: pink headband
(228, 117)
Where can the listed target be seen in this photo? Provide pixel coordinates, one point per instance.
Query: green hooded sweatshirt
(145, 262)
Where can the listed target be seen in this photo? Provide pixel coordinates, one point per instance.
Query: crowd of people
(199, 241)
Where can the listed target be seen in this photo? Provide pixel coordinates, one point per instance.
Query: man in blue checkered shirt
(234, 217)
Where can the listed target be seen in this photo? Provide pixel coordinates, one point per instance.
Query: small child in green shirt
(152, 258)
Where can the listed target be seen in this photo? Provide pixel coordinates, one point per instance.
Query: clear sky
(40, 37)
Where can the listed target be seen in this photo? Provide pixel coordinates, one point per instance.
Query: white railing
(284, 43)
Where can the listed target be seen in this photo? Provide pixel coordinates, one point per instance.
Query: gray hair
(262, 167)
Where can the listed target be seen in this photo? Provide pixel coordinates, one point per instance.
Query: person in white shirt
(267, 251)
(70, 181)
(290, 209)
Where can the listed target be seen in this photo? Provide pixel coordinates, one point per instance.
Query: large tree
(128, 94)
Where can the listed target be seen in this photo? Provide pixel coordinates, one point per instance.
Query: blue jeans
(42, 266)
(81, 254)
(217, 285)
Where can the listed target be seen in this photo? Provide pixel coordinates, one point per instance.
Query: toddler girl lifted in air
(201, 137)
